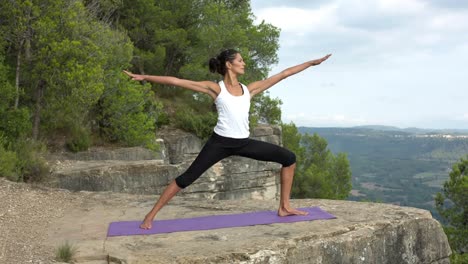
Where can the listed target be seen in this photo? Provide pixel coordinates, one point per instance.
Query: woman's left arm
(260, 86)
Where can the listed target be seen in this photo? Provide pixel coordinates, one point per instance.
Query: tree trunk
(37, 110)
(18, 68)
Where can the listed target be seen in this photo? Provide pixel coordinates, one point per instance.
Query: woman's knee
(290, 159)
(184, 180)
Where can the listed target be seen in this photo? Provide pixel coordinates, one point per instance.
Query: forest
(61, 74)
(62, 83)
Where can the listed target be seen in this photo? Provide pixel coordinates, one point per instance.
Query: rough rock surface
(35, 221)
(139, 171)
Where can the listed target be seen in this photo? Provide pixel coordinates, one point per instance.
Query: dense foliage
(179, 41)
(452, 204)
(319, 173)
(61, 63)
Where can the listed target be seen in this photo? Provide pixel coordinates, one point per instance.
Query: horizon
(387, 126)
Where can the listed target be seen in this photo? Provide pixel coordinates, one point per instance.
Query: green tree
(159, 31)
(20, 158)
(341, 176)
(319, 173)
(7, 90)
(178, 37)
(292, 139)
(452, 205)
(78, 62)
(16, 30)
(128, 114)
(265, 109)
(68, 66)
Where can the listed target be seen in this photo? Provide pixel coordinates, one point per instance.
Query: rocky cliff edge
(34, 221)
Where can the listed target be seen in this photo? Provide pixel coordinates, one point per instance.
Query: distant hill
(415, 130)
(393, 165)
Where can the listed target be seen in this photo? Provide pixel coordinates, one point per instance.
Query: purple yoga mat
(127, 228)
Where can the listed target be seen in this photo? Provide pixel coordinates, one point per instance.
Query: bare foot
(147, 223)
(290, 211)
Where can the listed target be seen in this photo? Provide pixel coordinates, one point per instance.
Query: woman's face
(237, 65)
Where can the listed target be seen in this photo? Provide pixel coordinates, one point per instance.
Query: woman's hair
(218, 63)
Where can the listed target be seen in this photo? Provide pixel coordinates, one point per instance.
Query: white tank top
(233, 113)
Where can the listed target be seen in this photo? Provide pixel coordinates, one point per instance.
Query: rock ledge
(362, 233)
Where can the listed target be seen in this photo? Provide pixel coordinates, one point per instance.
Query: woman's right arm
(207, 87)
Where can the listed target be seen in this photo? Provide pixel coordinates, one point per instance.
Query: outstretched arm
(207, 87)
(260, 86)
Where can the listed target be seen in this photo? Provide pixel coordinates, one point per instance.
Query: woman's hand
(135, 77)
(318, 61)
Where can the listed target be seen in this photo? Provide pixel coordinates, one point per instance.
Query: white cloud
(299, 20)
(453, 21)
(401, 6)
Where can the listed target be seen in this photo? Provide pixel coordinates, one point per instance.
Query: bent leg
(265, 151)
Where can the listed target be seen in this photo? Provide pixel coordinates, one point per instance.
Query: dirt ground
(26, 212)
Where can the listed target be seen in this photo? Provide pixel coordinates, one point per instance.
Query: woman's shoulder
(213, 86)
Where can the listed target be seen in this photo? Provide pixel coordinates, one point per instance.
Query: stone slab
(362, 233)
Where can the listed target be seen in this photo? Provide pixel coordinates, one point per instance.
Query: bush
(22, 160)
(199, 124)
(16, 123)
(162, 119)
(31, 162)
(457, 258)
(79, 140)
(8, 162)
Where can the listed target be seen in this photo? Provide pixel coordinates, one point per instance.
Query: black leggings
(218, 147)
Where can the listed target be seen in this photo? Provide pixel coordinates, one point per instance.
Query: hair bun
(218, 63)
(214, 64)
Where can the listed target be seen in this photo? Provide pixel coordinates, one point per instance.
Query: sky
(400, 63)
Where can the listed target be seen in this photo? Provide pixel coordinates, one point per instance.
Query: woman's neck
(230, 79)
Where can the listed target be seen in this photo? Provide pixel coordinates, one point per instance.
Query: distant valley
(392, 165)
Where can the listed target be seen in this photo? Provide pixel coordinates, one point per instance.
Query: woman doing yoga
(231, 133)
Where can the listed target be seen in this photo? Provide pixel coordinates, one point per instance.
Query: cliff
(138, 170)
(35, 221)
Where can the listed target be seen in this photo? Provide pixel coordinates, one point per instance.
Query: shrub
(8, 162)
(199, 124)
(31, 162)
(65, 252)
(79, 139)
(16, 123)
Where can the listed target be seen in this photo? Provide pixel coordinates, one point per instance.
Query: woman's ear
(228, 65)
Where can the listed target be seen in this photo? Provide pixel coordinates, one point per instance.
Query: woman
(231, 133)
